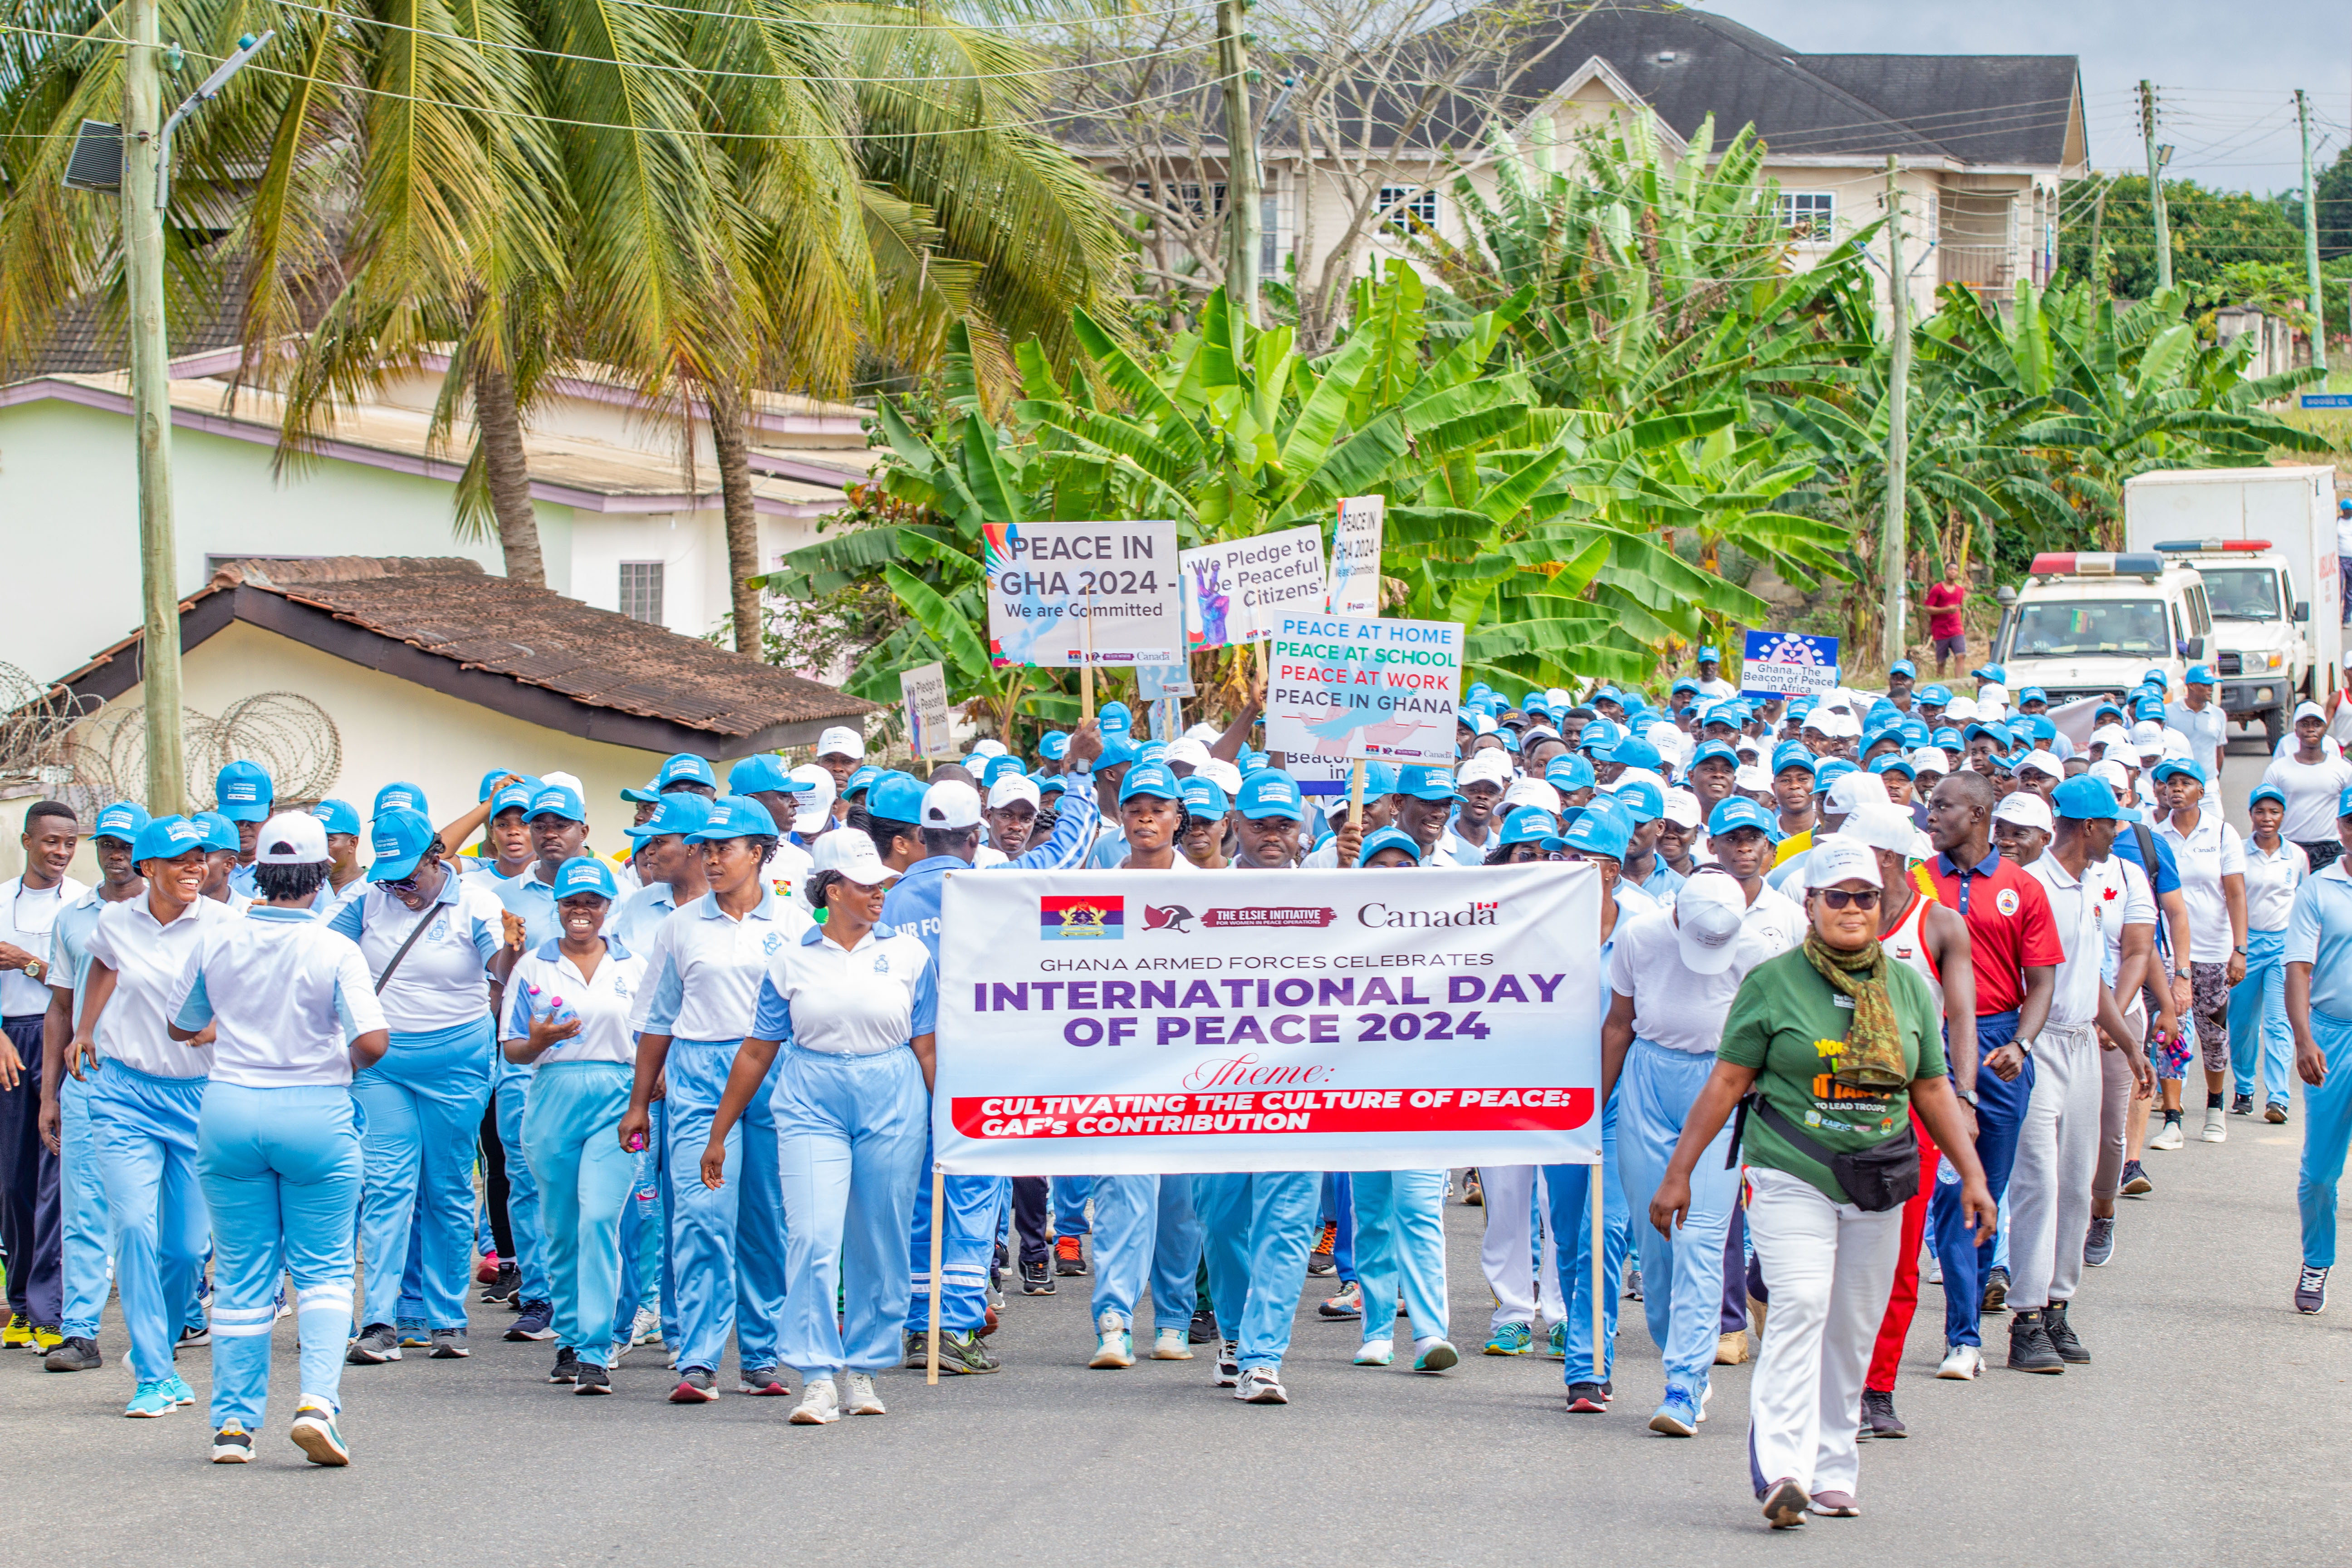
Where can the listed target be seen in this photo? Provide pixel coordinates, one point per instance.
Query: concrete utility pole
(1243, 224)
(150, 402)
(1893, 569)
(2317, 300)
(2155, 186)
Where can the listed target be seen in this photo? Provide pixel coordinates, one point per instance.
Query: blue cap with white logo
(1425, 783)
(1570, 772)
(244, 792)
(1935, 695)
(1993, 672)
(1893, 763)
(1903, 667)
(1640, 800)
(763, 773)
(1379, 778)
(1270, 793)
(399, 797)
(1598, 738)
(2344, 802)
(585, 874)
(1053, 745)
(1115, 710)
(1735, 812)
(1203, 799)
(2031, 694)
(1112, 723)
(1049, 783)
(338, 817)
(1709, 655)
(681, 811)
(1948, 739)
(1154, 779)
(1601, 828)
(1149, 752)
(734, 817)
(516, 796)
(220, 833)
(2263, 792)
(895, 797)
(121, 820)
(2086, 799)
(2176, 767)
(482, 788)
(1531, 824)
(1633, 752)
(1118, 752)
(1715, 751)
(1001, 767)
(1791, 754)
(167, 838)
(556, 800)
(398, 839)
(1398, 838)
(1830, 770)
(685, 768)
(861, 781)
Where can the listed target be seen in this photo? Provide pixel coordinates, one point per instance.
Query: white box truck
(2263, 539)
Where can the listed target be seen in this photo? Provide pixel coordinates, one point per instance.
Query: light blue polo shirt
(2319, 932)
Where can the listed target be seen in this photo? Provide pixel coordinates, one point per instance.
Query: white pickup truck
(2090, 625)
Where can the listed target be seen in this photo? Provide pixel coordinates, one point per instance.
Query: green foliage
(2211, 230)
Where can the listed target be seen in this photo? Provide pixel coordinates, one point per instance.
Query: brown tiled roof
(551, 660)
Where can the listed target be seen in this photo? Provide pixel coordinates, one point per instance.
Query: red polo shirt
(2010, 926)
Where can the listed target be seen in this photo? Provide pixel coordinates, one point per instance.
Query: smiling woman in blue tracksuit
(428, 937)
(278, 1143)
(703, 974)
(148, 1091)
(857, 1003)
(567, 1004)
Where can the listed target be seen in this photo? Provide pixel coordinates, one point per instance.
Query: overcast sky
(2225, 74)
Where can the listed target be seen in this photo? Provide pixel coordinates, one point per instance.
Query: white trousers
(2057, 1156)
(1830, 1267)
(1508, 1253)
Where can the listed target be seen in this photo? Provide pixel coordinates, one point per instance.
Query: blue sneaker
(537, 1323)
(414, 1333)
(1511, 1338)
(152, 1398)
(1678, 1416)
(1556, 1342)
(180, 1391)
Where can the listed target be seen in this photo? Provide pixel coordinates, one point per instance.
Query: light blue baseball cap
(684, 768)
(1270, 793)
(244, 792)
(1531, 824)
(1398, 838)
(338, 817)
(167, 838)
(1640, 800)
(402, 797)
(556, 800)
(585, 874)
(1155, 779)
(516, 796)
(764, 772)
(734, 817)
(219, 830)
(681, 811)
(1425, 783)
(397, 839)
(1735, 812)
(1601, 828)
(895, 797)
(121, 820)
(1203, 798)
(1571, 772)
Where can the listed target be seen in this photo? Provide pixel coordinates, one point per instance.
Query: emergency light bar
(2097, 563)
(2180, 546)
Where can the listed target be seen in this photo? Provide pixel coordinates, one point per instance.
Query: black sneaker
(567, 1366)
(1069, 1255)
(377, 1344)
(592, 1379)
(1996, 1290)
(2310, 1296)
(1632, 1284)
(195, 1336)
(2243, 1105)
(2030, 1349)
(1586, 1399)
(2136, 1181)
(2099, 1243)
(1038, 1279)
(537, 1323)
(963, 1354)
(507, 1287)
(1878, 1418)
(2062, 1335)
(1203, 1331)
(449, 1344)
(74, 1354)
(916, 1352)
(695, 1387)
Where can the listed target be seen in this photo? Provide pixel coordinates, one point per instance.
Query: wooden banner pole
(939, 1230)
(1592, 1201)
(1087, 670)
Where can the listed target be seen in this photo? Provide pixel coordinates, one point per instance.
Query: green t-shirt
(1788, 1023)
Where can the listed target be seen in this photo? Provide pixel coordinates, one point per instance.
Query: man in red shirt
(1945, 625)
(2013, 956)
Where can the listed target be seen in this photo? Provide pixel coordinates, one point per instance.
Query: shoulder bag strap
(415, 932)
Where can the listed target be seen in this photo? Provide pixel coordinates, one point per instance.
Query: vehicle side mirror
(2303, 609)
(2193, 647)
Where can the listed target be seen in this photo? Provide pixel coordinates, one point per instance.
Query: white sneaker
(619, 1353)
(2169, 1137)
(1935, 1269)
(1229, 1372)
(1171, 1344)
(2217, 1130)
(1262, 1385)
(646, 1329)
(1114, 1345)
(863, 1401)
(670, 1359)
(820, 1404)
(1962, 1361)
(1375, 1352)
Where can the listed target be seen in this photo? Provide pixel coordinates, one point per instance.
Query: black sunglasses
(1838, 898)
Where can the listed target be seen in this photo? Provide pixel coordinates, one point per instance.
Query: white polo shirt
(2204, 855)
(148, 960)
(545, 982)
(852, 1002)
(704, 968)
(2134, 905)
(285, 996)
(2270, 884)
(444, 981)
(2075, 906)
(28, 915)
(1673, 1006)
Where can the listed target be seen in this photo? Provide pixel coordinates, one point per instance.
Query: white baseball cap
(952, 803)
(1930, 759)
(1881, 826)
(2312, 710)
(1005, 791)
(1532, 792)
(1751, 777)
(2147, 738)
(1207, 734)
(1226, 775)
(2111, 735)
(2043, 761)
(1748, 745)
(291, 838)
(1681, 808)
(567, 781)
(2113, 774)
(1849, 791)
(989, 749)
(815, 803)
(2024, 808)
(1489, 766)
(1961, 710)
(841, 741)
(851, 853)
(1710, 909)
(1193, 753)
(1837, 859)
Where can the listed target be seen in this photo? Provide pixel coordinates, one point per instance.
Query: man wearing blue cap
(244, 793)
(1380, 811)
(1902, 677)
(2319, 1010)
(29, 907)
(1424, 804)
(1272, 815)
(66, 1123)
(2198, 717)
(1710, 675)
(763, 777)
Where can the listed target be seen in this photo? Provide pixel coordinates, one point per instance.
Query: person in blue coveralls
(948, 814)
(292, 1013)
(703, 971)
(428, 937)
(567, 1020)
(857, 1003)
(150, 1088)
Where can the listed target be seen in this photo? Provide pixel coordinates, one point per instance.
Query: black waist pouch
(1883, 1176)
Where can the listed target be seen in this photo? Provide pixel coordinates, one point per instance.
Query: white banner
(1062, 595)
(1236, 592)
(1338, 686)
(923, 690)
(1354, 585)
(1126, 1022)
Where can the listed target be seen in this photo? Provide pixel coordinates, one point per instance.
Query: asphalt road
(2212, 1428)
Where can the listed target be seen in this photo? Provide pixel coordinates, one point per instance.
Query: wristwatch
(1970, 1096)
(34, 969)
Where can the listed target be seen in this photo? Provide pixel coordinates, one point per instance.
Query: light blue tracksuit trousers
(2258, 1026)
(2326, 1128)
(727, 1246)
(1070, 1195)
(281, 1170)
(571, 1136)
(645, 1239)
(1571, 1228)
(1401, 1243)
(967, 1248)
(850, 1132)
(1258, 1227)
(511, 1085)
(155, 1217)
(81, 1211)
(423, 1102)
(1682, 1279)
(1147, 1228)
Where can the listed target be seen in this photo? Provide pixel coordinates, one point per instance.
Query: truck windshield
(2241, 593)
(2058, 629)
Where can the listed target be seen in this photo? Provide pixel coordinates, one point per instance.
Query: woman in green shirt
(1836, 1042)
